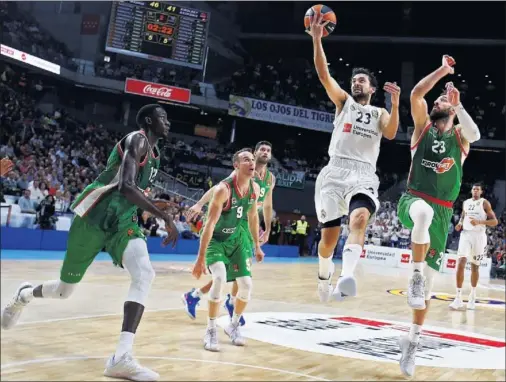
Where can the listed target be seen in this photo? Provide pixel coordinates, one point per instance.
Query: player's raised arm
(467, 127)
(218, 200)
(419, 110)
(136, 147)
(194, 210)
(390, 121)
(334, 91)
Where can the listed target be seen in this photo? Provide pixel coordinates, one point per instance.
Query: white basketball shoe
(234, 333)
(408, 355)
(128, 368)
(457, 304)
(211, 340)
(346, 287)
(12, 311)
(416, 291)
(325, 286)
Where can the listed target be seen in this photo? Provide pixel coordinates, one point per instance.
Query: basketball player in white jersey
(477, 214)
(348, 185)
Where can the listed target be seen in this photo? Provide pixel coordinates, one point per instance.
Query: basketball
(328, 15)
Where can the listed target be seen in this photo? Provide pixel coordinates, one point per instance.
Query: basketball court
(290, 334)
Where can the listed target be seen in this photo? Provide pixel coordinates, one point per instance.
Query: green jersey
(265, 185)
(436, 167)
(235, 210)
(101, 203)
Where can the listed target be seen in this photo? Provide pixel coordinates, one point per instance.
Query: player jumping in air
(438, 150)
(348, 185)
(106, 217)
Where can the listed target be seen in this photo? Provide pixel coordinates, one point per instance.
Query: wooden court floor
(291, 336)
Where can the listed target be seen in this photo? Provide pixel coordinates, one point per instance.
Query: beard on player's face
(438, 114)
(360, 96)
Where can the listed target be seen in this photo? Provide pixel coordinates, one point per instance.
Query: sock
(126, 341)
(232, 300)
(459, 293)
(472, 295)
(235, 319)
(351, 254)
(414, 333)
(211, 323)
(324, 264)
(197, 293)
(26, 294)
(418, 267)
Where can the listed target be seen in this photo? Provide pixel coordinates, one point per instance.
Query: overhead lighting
(347, 64)
(489, 82)
(463, 80)
(379, 71)
(486, 75)
(458, 75)
(340, 58)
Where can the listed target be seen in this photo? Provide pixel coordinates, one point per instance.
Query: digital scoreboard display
(158, 31)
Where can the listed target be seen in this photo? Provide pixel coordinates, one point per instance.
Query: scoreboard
(158, 31)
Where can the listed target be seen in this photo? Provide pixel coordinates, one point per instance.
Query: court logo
(373, 339)
(484, 302)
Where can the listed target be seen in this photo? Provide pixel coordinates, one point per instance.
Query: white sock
(211, 323)
(235, 319)
(232, 300)
(324, 265)
(126, 341)
(197, 293)
(414, 333)
(26, 294)
(351, 254)
(472, 295)
(459, 293)
(418, 267)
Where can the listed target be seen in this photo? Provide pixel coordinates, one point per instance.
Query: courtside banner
(279, 113)
(29, 59)
(156, 90)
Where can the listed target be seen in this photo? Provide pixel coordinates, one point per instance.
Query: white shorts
(472, 245)
(338, 182)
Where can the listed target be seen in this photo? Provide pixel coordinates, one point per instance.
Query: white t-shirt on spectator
(36, 194)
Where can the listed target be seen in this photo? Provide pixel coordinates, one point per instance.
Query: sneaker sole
(183, 300)
(211, 350)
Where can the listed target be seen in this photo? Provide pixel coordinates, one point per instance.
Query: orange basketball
(328, 15)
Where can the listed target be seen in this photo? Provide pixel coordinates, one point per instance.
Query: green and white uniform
(104, 217)
(436, 177)
(231, 243)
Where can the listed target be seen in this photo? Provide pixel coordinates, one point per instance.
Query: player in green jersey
(106, 217)
(266, 182)
(438, 150)
(225, 244)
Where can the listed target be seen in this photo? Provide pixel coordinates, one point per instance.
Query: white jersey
(473, 209)
(357, 133)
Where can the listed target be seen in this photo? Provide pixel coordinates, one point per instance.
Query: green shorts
(235, 253)
(438, 229)
(85, 241)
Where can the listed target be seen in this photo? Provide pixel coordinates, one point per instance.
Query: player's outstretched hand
(6, 166)
(458, 227)
(199, 268)
(452, 93)
(173, 234)
(316, 26)
(448, 63)
(259, 255)
(193, 212)
(394, 91)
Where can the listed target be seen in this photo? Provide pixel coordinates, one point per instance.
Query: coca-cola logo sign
(159, 91)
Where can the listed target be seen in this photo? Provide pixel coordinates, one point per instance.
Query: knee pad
(219, 274)
(57, 289)
(421, 214)
(245, 284)
(430, 274)
(137, 263)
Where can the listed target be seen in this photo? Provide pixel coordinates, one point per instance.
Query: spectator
(45, 213)
(287, 233)
(301, 229)
(26, 204)
(275, 231)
